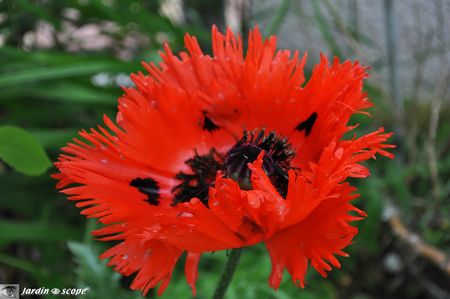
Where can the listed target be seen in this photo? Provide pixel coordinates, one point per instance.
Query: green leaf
(15, 231)
(77, 93)
(21, 150)
(325, 29)
(56, 72)
(38, 10)
(279, 17)
(92, 272)
(20, 263)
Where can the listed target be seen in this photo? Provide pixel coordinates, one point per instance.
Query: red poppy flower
(225, 151)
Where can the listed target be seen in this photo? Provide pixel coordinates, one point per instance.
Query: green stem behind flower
(228, 272)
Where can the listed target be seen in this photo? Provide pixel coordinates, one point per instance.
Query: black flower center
(276, 162)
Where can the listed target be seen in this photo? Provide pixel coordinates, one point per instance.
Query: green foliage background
(49, 93)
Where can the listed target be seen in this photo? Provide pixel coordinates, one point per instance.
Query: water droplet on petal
(125, 257)
(216, 203)
(186, 214)
(339, 152)
(254, 201)
(104, 161)
(155, 228)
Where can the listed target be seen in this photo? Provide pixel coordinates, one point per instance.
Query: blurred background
(62, 63)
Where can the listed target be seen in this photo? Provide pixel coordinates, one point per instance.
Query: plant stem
(227, 273)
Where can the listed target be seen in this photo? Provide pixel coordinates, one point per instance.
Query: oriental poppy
(217, 152)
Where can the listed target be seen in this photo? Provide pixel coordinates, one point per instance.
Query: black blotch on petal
(308, 124)
(149, 187)
(208, 124)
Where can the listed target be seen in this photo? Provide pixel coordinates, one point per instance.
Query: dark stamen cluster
(276, 163)
(276, 160)
(196, 184)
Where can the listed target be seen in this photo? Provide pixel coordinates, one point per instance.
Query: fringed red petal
(193, 103)
(191, 270)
